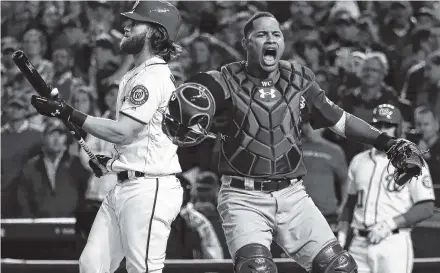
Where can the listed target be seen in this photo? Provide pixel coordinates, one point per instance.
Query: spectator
(361, 101)
(35, 45)
(52, 183)
(326, 173)
(9, 45)
(50, 24)
(20, 141)
(98, 188)
(373, 91)
(428, 124)
(313, 53)
(429, 93)
(62, 59)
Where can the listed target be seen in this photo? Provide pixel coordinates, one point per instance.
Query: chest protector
(263, 138)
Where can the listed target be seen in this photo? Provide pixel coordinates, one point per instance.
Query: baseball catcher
(259, 154)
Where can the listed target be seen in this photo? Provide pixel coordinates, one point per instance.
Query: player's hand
(381, 230)
(52, 108)
(343, 229)
(98, 169)
(193, 218)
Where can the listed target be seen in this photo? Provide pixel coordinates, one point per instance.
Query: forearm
(210, 245)
(347, 213)
(360, 131)
(417, 213)
(105, 129)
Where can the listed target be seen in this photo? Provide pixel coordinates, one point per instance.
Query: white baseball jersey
(371, 177)
(144, 91)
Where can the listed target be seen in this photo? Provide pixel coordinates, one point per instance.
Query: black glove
(97, 168)
(57, 108)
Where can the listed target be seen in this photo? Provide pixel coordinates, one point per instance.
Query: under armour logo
(57, 112)
(302, 103)
(264, 93)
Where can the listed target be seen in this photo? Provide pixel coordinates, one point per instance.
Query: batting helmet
(191, 111)
(158, 12)
(388, 113)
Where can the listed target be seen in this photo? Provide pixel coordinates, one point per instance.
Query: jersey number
(360, 199)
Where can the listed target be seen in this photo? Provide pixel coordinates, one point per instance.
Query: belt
(122, 176)
(364, 232)
(262, 185)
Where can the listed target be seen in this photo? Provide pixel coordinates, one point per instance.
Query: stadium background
(74, 45)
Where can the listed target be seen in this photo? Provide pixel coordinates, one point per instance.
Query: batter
(135, 217)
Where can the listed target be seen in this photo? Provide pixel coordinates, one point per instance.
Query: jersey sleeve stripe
(133, 118)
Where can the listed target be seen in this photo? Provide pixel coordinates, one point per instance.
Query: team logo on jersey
(427, 182)
(139, 95)
(391, 184)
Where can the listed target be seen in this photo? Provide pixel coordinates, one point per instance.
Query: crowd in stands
(362, 53)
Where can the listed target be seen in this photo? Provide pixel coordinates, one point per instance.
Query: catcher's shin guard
(334, 259)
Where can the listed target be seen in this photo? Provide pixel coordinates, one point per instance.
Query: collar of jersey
(152, 61)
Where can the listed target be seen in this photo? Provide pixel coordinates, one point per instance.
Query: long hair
(162, 45)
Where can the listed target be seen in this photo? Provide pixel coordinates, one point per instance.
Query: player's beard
(134, 44)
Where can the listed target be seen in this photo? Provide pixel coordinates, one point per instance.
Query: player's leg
(150, 206)
(358, 249)
(103, 251)
(248, 223)
(305, 235)
(400, 259)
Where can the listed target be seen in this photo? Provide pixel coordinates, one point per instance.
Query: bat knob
(54, 93)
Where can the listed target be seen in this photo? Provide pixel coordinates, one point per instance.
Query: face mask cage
(187, 136)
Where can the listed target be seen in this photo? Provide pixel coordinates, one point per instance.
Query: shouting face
(264, 44)
(135, 35)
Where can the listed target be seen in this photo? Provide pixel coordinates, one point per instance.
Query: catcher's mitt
(407, 158)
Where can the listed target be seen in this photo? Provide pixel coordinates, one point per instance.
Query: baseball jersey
(143, 93)
(370, 176)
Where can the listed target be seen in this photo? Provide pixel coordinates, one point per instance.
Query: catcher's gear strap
(334, 259)
(418, 212)
(358, 130)
(254, 258)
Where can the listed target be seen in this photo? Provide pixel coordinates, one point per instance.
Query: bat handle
(55, 95)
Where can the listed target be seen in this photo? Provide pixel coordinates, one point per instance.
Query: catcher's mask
(387, 113)
(190, 114)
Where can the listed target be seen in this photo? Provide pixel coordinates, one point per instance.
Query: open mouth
(269, 56)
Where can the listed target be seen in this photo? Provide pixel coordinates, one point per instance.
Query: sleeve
(322, 111)
(421, 189)
(144, 97)
(351, 186)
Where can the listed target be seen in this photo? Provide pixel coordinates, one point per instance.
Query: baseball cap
(342, 15)
(17, 102)
(54, 125)
(9, 43)
(159, 12)
(387, 113)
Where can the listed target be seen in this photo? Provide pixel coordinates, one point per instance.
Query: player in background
(135, 218)
(382, 213)
(259, 155)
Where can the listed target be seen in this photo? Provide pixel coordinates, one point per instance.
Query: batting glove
(58, 108)
(381, 230)
(97, 169)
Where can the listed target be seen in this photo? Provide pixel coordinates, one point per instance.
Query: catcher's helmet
(158, 12)
(190, 112)
(388, 113)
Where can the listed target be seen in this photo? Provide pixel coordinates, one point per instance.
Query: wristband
(383, 142)
(78, 118)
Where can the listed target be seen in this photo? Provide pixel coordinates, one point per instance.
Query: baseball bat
(45, 90)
